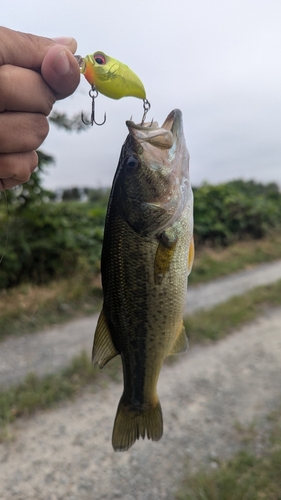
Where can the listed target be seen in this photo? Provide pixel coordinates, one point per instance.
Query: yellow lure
(111, 77)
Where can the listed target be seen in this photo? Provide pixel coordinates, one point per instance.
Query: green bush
(50, 241)
(235, 211)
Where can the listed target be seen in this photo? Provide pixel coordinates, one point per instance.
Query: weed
(211, 263)
(224, 318)
(42, 393)
(245, 477)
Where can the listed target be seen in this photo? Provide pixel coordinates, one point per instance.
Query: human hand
(34, 73)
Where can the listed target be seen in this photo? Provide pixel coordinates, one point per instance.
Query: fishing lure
(111, 78)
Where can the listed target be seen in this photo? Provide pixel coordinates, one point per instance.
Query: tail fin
(131, 424)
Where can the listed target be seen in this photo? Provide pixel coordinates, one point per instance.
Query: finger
(26, 50)
(31, 130)
(61, 71)
(22, 89)
(16, 168)
(67, 41)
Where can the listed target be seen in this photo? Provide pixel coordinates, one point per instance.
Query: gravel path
(53, 349)
(65, 454)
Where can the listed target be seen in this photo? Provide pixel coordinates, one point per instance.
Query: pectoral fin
(181, 342)
(164, 255)
(103, 348)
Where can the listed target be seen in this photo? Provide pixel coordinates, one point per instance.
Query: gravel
(66, 453)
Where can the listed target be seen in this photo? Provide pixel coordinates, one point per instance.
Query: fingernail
(61, 63)
(63, 40)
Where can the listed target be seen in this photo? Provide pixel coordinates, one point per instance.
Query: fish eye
(99, 58)
(131, 162)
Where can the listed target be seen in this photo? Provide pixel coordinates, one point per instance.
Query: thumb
(60, 71)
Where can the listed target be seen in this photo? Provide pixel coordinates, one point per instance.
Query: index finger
(26, 50)
(43, 55)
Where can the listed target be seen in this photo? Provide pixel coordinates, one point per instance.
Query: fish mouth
(174, 122)
(162, 137)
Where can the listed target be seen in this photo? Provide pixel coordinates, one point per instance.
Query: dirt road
(66, 454)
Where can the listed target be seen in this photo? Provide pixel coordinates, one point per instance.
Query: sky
(219, 61)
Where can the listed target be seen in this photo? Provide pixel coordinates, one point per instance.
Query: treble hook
(93, 93)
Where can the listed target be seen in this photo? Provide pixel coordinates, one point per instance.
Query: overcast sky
(219, 61)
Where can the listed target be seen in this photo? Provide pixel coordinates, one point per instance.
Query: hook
(93, 93)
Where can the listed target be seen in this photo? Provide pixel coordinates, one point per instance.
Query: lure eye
(99, 58)
(131, 162)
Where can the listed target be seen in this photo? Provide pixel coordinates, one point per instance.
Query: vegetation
(247, 476)
(235, 211)
(214, 262)
(45, 305)
(47, 238)
(36, 393)
(224, 318)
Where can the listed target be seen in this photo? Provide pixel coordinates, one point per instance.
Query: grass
(36, 393)
(41, 306)
(63, 300)
(42, 393)
(224, 318)
(247, 476)
(211, 263)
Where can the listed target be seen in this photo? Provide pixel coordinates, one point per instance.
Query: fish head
(153, 175)
(111, 77)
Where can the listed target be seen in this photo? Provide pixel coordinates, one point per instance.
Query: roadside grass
(36, 393)
(212, 325)
(29, 308)
(42, 393)
(214, 262)
(247, 476)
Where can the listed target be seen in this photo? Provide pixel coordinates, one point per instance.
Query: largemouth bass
(146, 258)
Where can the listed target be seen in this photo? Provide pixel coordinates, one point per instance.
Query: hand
(34, 73)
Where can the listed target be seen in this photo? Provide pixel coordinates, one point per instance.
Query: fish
(111, 77)
(147, 255)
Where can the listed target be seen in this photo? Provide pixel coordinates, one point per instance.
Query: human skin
(34, 72)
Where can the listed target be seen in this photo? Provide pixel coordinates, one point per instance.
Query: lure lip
(81, 62)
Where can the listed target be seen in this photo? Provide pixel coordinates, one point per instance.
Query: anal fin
(181, 342)
(103, 348)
